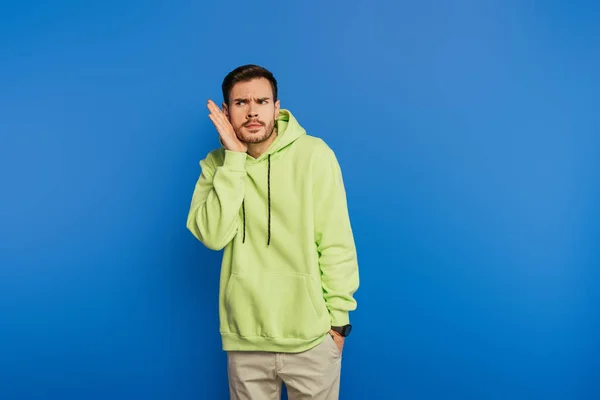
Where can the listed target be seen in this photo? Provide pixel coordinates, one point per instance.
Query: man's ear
(225, 109)
(277, 108)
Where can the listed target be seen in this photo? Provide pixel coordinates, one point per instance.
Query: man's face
(251, 111)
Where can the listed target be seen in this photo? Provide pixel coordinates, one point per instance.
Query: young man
(273, 198)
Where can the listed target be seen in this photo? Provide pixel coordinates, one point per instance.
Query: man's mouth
(253, 125)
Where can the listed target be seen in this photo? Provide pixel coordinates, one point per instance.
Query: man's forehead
(258, 88)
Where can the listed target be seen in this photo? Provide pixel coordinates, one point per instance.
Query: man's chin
(259, 137)
(254, 140)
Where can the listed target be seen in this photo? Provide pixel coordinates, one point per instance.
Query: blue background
(468, 136)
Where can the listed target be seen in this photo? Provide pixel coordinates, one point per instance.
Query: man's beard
(253, 138)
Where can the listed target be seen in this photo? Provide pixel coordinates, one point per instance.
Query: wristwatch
(342, 330)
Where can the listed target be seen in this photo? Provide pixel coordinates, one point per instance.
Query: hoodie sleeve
(334, 238)
(216, 201)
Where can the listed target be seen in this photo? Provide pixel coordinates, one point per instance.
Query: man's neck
(257, 149)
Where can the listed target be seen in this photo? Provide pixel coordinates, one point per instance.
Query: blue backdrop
(468, 136)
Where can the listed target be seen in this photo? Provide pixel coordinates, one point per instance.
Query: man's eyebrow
(246, 99)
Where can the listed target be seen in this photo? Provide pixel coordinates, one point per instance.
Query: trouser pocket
(333, 345)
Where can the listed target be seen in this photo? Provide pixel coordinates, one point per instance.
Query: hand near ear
(226, 132)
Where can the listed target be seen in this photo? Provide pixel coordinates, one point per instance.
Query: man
(273, 198)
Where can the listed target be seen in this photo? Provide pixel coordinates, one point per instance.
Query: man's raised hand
(226, 132)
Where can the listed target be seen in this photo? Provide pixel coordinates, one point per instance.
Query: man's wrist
(342, 331)
(335, 333)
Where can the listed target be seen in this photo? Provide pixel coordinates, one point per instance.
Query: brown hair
(246, 73)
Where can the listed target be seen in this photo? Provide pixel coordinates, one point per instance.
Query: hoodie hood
(288, 131)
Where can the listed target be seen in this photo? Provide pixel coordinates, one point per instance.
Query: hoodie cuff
(339, 318)
(235, 160)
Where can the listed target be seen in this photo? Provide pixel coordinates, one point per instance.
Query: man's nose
(252, 113)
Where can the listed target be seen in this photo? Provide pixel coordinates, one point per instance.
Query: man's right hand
(228, 137)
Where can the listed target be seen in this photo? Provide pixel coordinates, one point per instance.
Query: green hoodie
(289, 268)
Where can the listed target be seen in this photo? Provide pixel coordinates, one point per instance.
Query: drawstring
(269, 199)
(244, 216)
(269, 206)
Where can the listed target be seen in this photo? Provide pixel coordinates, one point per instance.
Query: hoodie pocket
(276, 305)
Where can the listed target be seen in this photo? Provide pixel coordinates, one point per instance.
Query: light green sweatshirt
(289, 269)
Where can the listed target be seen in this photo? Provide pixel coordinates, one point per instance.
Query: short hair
(247, 73)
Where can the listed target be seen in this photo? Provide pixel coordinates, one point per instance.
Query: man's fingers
(220, 121)
(217, 122)
(214, 108)
(211, 104)
(221, 118)
(217, 113)
(221, 126)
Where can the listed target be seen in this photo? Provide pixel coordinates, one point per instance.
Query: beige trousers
(313, 374)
